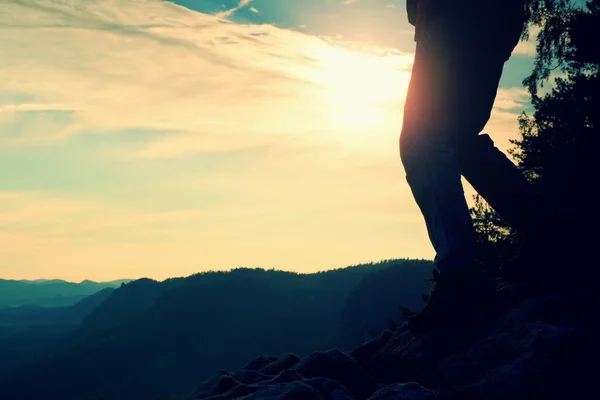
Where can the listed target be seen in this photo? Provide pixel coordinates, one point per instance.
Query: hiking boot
(454, 298)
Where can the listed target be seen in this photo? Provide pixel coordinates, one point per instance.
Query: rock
(219, 384)
(259, 362)
(534, 351)
(288, 375)
(339, 366)
(285, 391)
(235, 393)
(404, 391)
(249, 377)
(329, 389)
(363, 353)
(281, 364)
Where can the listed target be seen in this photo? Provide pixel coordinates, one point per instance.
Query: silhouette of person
(461, 49)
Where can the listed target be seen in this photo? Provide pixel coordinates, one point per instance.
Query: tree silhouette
(558, 143)
(493, 235)
(551, 18)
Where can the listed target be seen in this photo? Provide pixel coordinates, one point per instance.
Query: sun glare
(363, 91)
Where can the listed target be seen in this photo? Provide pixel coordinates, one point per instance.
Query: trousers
(458, 64)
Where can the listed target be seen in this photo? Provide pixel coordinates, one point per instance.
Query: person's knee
(402, 145)
(410, 155)
(412, 148)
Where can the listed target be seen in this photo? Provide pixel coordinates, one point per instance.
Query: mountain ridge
(152, 338)
(49, 292)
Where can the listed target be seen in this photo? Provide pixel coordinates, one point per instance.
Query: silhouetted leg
(433, 174)
(500, 182)
(449, 101)
(431, 163)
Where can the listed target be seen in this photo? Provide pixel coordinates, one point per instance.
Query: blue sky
(159, 139)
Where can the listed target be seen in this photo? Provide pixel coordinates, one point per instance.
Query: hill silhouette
(49, 292)
(375, 301)
(152, 339)
(30, 331)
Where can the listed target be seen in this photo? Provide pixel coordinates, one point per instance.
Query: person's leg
(430, 155)
(434, 177)
(453, 87)
(500, 182)
(450, 97)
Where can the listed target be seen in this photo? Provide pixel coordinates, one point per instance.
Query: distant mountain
(41, 281)
(33, 315)
(49, 293)
(377, 299)
(29, 332)
(153, 339)
(116, 282)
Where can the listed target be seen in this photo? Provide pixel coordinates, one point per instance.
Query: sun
(356, 98)
(362, 91)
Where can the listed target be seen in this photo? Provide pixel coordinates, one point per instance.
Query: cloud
(32, 207)
(185, 144)
(48, 215)
(198, 80)
(210, 75)
(33, 124)
(528, 47)
(503, 124)
(514, 99)
(227, 13)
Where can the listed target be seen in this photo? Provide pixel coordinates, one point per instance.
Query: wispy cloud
(208, 71)
(527, 47)
(241, 4)
(514, 99)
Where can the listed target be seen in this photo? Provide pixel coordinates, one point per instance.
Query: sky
(144, 138)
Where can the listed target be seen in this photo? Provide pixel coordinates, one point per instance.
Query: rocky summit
(529, 344)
